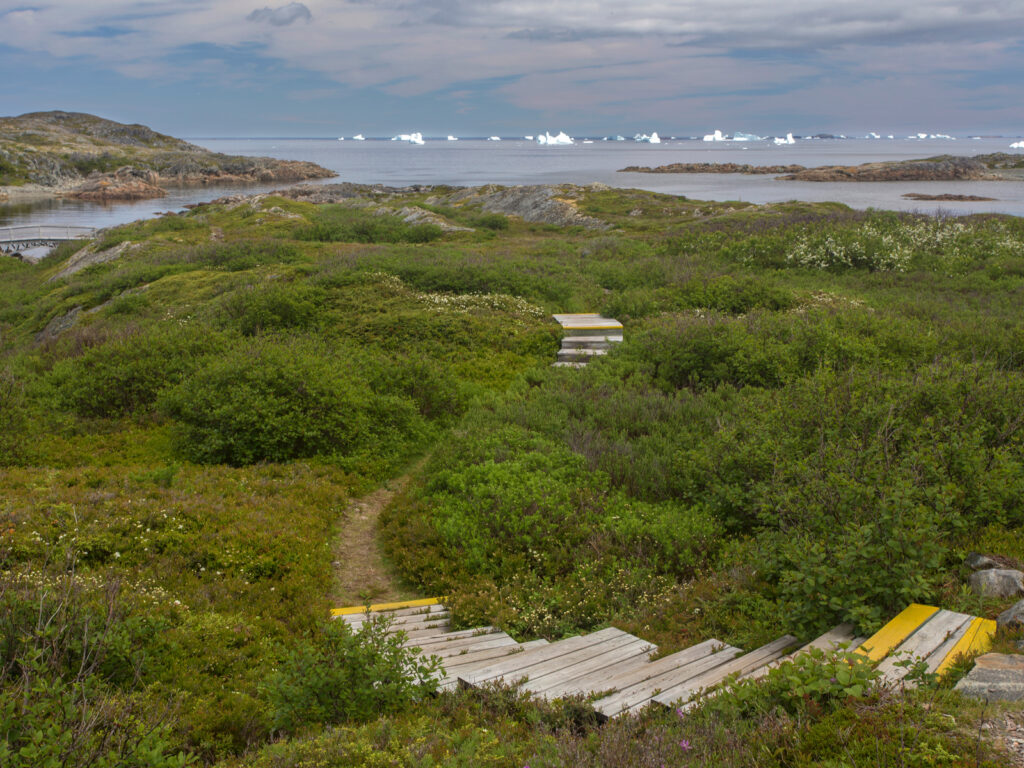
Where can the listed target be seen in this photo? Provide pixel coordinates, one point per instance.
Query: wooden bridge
(586, 336)
(614, 668)
(18, 239)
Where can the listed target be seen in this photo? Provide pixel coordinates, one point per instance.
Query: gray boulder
(1012, 617)
(998, 582)
(979, 562)
(995, 677)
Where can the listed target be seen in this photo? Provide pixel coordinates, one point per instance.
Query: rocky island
(72, 154)
(998, 166)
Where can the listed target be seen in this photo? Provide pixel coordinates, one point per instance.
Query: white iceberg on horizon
(494, 138)
(528, 138)
(788, 140)
(359, 137)
(1017, 145)
(412, 138)
(745, 137)
(643, 138)
(716, 136)
(620, 138)
(452, 138)
(562, 138)
(341, 138)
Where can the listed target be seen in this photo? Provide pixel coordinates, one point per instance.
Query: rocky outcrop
(715, 168)
(997, 582)
(995, 677)
(540, 204)
(946, 197)
(935, 169)
(90, 158)
(1012, 617)
(89, 255)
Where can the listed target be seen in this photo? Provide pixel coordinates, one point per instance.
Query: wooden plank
(908, 621)
(401, 613)
(826, 642)
(477, 656)
(565, 665)
(921, 644)
(356, 619)
(403, 604)
(638, 695)
(485, 642)
(426, 631)
(741, 665)
(539, 656)
(977, 639)
(591, 675)
(628, 677)
(479, 659)
(461, 639)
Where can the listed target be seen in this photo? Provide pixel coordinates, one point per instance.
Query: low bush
(340, 224)
(342, 675)
(271, 400)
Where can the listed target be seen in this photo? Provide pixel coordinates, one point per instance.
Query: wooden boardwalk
(614, 669)
(586, 336)
(22, 238)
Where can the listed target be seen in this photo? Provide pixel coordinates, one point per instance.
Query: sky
(208, 68)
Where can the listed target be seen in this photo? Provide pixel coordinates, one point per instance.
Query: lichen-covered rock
(979, 562)
(998, 582)
(995, 677)
(1012, 617)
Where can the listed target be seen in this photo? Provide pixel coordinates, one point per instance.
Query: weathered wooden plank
(639, 694)
(484, 642)
(641, 672)
(908, 621)
(826, 642)
(427, 631)
(977, 639)
(741, 665)
(591, 675)
(564, 665)
(458, 639)
(538, 656)
(921, 644)
(479, 659)
(357, 620)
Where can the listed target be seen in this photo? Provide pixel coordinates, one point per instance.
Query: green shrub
(275, 401)
(341, 675)
(125, 375)
(257, 309)
(14, 418)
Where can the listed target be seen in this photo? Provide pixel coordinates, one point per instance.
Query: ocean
(517, 161)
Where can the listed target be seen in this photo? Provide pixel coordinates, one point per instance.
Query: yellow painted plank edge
(909, 620)
(977, 639)
(387, 606)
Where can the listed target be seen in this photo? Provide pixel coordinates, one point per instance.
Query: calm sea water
(473, 162)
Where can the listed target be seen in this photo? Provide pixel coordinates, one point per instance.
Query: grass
(799, 430)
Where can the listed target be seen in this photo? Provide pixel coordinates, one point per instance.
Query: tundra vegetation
(815, 414)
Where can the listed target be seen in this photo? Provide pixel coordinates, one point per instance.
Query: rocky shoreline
(995, 167)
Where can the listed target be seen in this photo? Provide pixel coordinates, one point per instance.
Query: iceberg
(716, 136)
(528, 138)
(341, 138)
(745, 137)
(588, 141)
(620, 138)
(1017, 145)
(359, 137)
(412, 138)
(494, 138)
(561, 138)
(788, 140)
(872, 135)
(647, 139)
(452, 138)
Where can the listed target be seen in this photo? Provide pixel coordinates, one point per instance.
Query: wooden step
(925, 641)
(636, 695)
(826, 642)
(584, 341)
(741, 665)
(449, 640)
(408, 623)
(478, 659)
(518, 666)
(568, 365)
(581, 324)
(592, 673)
(579, 355)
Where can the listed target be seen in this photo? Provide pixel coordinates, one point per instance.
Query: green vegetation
(815, 414)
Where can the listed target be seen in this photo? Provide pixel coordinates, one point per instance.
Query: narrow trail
(361, 574)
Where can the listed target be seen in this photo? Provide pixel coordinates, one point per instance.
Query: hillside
(84, 156)
(814, 416)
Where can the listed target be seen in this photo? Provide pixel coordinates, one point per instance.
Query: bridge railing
(27, 232)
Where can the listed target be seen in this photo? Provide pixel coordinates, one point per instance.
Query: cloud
(283, 16)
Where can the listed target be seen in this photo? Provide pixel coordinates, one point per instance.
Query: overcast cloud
(681, 66)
